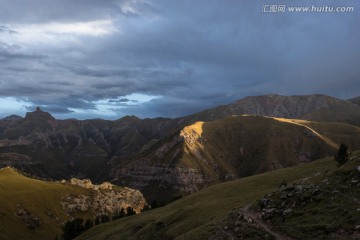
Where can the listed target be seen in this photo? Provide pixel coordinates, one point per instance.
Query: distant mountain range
(166, 157)
(309, 107)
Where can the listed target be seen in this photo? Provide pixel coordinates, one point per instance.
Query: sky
(169, 58)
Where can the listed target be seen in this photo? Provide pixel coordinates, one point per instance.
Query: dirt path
(255, 217)
(326, 139)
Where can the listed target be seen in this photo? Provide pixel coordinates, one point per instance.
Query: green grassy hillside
(247, 145)
(39, 199)
(324, 207)
(332, 133)
(207, 153)
(197, 216)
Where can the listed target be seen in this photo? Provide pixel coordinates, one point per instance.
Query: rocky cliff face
(142, 174)
(105, 199)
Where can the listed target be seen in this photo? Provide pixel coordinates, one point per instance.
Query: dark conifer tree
(343, 155)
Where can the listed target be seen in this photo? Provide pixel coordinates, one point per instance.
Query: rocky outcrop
(86, 183)
(32, 222)
(105, 199)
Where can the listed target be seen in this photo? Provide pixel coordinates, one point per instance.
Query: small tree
(130, 211)
(343, 155)
(97, 220)
(104, 218)
(88, 224)
(72, 229)
(119, 214)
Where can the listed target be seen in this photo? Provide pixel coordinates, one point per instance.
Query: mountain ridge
(314, 107)
(322, 100)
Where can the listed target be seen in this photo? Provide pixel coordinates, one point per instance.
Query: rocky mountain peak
(39, 114)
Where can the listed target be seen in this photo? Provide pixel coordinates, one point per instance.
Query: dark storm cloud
(6, 55)
(5, 29)
(91, 72)
(191, 54)
(61, 106)
(121, 100)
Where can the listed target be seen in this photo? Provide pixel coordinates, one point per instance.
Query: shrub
(343, 155)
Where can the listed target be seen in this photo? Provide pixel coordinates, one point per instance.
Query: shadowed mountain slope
(69, 148)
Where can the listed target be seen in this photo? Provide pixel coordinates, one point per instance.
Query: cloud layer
(169, 58)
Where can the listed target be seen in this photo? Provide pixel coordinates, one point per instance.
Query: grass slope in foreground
(198, 215)
(322, 207)
(24, 200)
